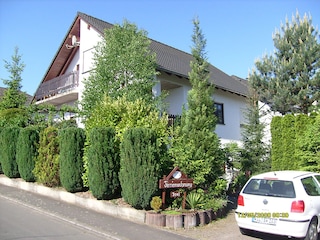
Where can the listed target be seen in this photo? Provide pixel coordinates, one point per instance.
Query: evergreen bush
(1, 155)
(103, 163)
(288, 144)
(71, 144)
(27, 152)
(9, 136)
(276, 135)
(140, 166)
(46, 168)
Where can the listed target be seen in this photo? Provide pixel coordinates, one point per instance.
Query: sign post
(175, 180)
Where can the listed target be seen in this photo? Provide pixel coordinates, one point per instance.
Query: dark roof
(177, 62)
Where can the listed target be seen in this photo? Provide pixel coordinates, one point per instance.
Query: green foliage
(27, 152)
(71, 144)
(122, 115)
(140, 166)
(124, 66)
(156, 203)
(254, 152)
(13, 97)
(295, 142)
(9, 136)
(288, 142)
(239, 181)
(195, 200)
(276, 146)
(46, 168)
(13, 117)
(1, 154)
(308, 146)
(195, 145)
(215, 203)
(289, 79)
(103, 163)
(218, 188)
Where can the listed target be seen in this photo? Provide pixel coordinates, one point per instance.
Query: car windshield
(267, 187)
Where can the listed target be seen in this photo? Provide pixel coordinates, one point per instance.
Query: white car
(282, 202)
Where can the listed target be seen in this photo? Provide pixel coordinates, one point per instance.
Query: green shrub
(103, 163)
(195, 200)
(27, 152)
(71, 143)
(140, 166)
(46, 168)
(156, 203)
(1, 155)
(9, 136)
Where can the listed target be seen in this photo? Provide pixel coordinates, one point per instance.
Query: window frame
(219, 112)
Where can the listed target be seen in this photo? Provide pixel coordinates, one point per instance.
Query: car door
(312, 188)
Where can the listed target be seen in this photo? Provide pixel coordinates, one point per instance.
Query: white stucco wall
(89, 38)
(232, 103)
(234, 107)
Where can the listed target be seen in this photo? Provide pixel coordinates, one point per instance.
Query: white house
(63, 81)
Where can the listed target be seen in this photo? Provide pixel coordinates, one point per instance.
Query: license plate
(268, 221)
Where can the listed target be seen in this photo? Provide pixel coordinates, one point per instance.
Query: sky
(237, 32)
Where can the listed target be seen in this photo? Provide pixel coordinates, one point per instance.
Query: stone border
(62, 195)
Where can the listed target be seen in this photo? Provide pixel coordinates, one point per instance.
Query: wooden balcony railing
(58, 85)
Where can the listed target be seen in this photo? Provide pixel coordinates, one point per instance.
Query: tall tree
(196, 146)
(13, 97)
(124, 65)
(289, 79)
(254, 155)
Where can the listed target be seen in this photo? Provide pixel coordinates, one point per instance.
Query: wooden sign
(175, 180)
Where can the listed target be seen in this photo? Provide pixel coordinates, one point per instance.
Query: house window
(219, 112)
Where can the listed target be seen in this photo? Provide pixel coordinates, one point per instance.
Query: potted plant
(195, 202)
(154, 217)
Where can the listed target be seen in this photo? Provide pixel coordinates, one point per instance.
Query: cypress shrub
(46, 168)
(288, 142)
(27, 152)
(276, 135)
(9, 136)
(1, 155)
(140, 166)
(71, 143)
(302, 122)
(103, 163)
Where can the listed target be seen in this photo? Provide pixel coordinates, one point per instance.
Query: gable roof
(169, 59)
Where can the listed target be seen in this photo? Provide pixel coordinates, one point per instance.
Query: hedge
(103, 163)
(71, 143)
(9, 136)
(140, 166)
(46, 168)
(27, 152)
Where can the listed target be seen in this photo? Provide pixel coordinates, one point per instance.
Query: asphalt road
(25, 215)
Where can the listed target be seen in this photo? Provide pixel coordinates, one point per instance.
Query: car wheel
(244, 231)
(312, 233)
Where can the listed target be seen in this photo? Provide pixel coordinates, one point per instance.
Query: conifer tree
(289, 79)
(196, 147)
(13, 97)
(254, 153)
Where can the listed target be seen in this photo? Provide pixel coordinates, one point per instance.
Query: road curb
(62, 195)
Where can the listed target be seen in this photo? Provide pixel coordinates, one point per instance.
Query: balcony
(59, 90)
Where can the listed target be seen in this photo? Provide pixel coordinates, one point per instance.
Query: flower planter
(204, 217)
(174, 221)
(191, 220)
(155, 219)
